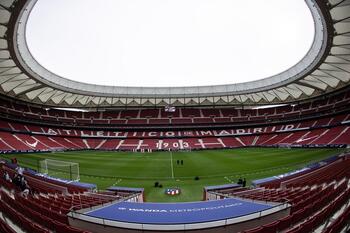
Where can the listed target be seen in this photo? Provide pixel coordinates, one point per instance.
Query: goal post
(285, 145)
(185, 149)
(60, 169)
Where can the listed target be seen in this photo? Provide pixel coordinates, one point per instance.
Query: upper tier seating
(182, 116)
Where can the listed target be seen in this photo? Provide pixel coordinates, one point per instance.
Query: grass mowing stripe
(106, 168)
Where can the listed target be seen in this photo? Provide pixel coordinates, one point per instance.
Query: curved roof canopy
(325, 68)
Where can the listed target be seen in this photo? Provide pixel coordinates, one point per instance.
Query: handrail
(75, 208)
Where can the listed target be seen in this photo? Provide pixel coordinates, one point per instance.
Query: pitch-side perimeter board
(178, 216)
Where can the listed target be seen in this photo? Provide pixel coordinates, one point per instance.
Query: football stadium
(261, 154)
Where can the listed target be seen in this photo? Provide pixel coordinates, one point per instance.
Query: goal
(60, 169)
(186, 149)
(285, 145)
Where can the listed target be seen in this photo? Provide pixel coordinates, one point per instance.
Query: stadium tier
(319, 122)
(326, 131)
(181, 117)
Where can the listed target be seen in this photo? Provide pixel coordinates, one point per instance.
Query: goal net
(60, 169)
(285, 145)
(185, 149)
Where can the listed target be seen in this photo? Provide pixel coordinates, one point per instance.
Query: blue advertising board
(178, 213)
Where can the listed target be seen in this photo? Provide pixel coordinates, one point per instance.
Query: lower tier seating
(44, 213)
(315, 196)
(334, 171)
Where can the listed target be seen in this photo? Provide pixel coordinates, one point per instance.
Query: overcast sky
(169, 42)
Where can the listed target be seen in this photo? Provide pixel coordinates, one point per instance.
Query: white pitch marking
(171, 164)
(117, 182)
(229, 180)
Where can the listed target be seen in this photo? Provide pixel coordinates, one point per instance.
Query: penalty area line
(228, 179)
(117, 182)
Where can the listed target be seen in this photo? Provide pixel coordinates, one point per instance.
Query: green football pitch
(213, 167)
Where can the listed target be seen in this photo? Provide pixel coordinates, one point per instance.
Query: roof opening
(169, 43)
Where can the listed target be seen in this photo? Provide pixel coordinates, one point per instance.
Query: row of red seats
(63, 203)
(311, 224)
(181, 116)
(336, 170)
(340, 222)
(46, 212)
(44, 220)
(305, 200)
(37, 184)
(58, 211)
(340, 99)
(166, 121)
(328, 173)
(275, 184)
(19, 218)
(23, 142)
(71, 188)
(5, 228)
(44, 185)
(290, 195)
(309, 217)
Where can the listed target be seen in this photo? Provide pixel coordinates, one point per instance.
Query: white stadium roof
(324, 69)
